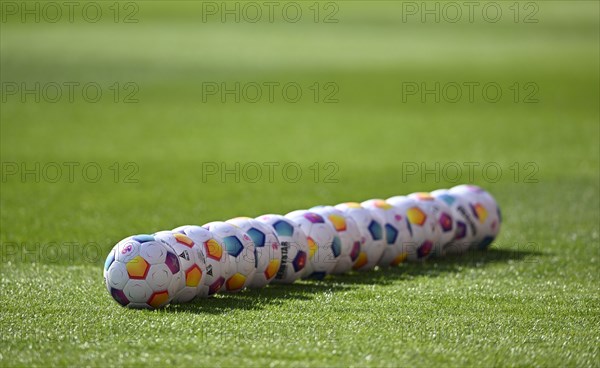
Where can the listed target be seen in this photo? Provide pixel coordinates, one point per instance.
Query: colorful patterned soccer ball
(371, 226)
(192, 262)
(420, 224)
(349, 234)
(485, 213)
(396, 231)
(141, 272)
(217, 261)
(324, 245)
(294, 247)
(267, 250)
(464, 234)
(240, 250)
(444, 221)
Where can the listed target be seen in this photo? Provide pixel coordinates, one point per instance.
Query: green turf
(532, 300)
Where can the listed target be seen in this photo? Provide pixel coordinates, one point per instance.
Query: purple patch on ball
(461, 230)
(425, 249)
(119, 296)
(314, 218)
(172, 262)
(355, 251)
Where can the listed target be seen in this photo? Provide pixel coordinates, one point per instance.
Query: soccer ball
(267, 250)
(240, 250)
(485, 213)
(213, 251)
(347, 231)
(324, 245)
(371, 227)
(294, 247)
(396, 231)
(444, 221)
(421, 227)
(465, 232)
(141, 272)
(193, 264)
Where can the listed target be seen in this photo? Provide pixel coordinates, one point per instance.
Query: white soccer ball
(349, 234)
(421, 227)
(396, 231)
(371, 226)
(324, 245)
(239, 247)
(191, 259)
(216, 259)
(465, 227)
(294, 247)
(267, 250)
(142, 272)
(485, 213)
(444, 221)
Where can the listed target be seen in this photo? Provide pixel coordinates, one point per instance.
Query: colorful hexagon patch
(445, 221)
(183, 239)
(312, 247)
(380, 203)
(299, 262)
(336, 246)
(172, 262)
(314, 218)
(353, 205)
(355, 251)
(119, 296)
(391, 234)
(447, 198)
(399, 259)
(424, 196)
(213, 249)
(158, 299)
(235, 282)
(479, 212)
(143, 238)
(416, 216)
(193, 275)
(233, 245)
(338, 222)
(461, 230)
(272, 269)
(283, 228)
(109, 260)
(137, 268)
(375, 230)
(425, 249)
(360, 261)
(257, 236)
(216, 285)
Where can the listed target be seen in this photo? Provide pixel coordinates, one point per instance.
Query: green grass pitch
(532, 300)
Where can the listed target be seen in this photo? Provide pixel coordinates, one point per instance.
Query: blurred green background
(153, 62)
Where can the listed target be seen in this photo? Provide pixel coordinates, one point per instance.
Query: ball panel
(158, 299)
(159, 277)
(117, 275)
(213, 249)
(137, 268)
(172, 262)
(119, 296)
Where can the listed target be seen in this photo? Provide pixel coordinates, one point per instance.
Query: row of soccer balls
(150, 271)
